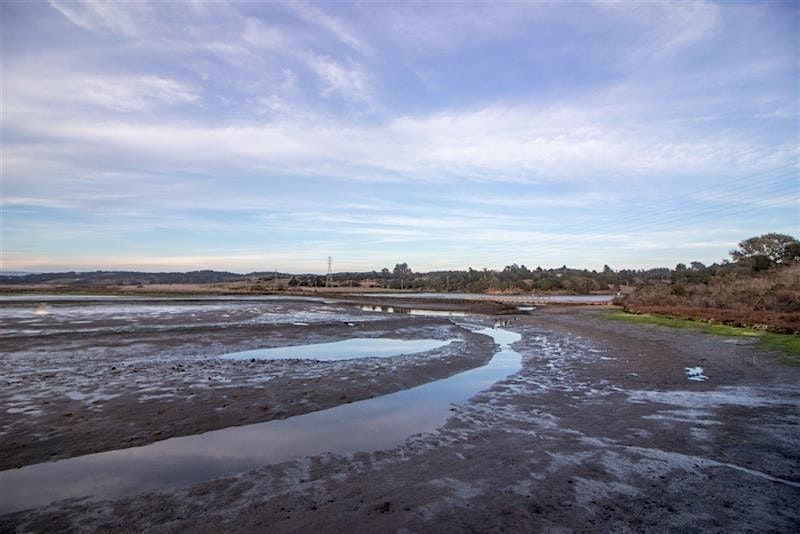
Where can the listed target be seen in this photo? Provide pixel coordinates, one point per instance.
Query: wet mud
(601, 429)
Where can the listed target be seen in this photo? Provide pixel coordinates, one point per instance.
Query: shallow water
(413, 311)
(48, 297)
(368, 425)
(572, 299)
(347, 349)
(22, 318)
(695, 374)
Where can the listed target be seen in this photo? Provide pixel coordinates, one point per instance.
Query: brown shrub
(770, 299)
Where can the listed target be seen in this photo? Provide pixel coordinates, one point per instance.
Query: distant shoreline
(196, 290)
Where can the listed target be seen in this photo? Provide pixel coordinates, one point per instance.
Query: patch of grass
(787, 343)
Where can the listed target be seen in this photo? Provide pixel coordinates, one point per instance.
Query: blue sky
(260, 136)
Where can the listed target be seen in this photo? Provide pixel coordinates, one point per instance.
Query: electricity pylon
(329, 278)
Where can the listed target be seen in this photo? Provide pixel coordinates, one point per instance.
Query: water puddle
(695, 374)
(412, 311)
(368, 425)
(348, 349)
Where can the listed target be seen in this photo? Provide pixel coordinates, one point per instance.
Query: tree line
(753, 255)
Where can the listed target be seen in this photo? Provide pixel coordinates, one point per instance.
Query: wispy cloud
(12, 201)
(100, 16)
(260, 35)
(332, 24)
(348, 79)
(496, 143)
(28, 91)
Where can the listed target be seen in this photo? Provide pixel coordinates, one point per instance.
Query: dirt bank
(601, 430)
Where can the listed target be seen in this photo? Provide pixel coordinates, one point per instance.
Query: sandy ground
(601, 430)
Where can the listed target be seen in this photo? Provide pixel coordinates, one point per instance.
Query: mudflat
(607, 426)
(86, 379)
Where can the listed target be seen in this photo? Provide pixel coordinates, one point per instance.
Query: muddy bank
(601, 430)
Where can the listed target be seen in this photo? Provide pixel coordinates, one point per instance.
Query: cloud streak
(490, 144)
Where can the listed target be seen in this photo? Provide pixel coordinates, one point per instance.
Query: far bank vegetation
(759, 287)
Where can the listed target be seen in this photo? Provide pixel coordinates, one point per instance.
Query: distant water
(588, 299)
(412, 311)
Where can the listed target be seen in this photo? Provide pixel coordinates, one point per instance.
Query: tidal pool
(368, 425)
(348, 349)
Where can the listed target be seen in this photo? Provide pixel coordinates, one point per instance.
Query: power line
(691, 210)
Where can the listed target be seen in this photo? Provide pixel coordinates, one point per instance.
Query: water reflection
(373, 424)
(342, 350)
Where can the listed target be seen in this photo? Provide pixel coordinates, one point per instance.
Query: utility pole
(329, 278)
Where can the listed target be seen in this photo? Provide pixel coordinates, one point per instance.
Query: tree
(679, 276)
(385, 275)
(401, 272)
(791, 253)
(776, 248)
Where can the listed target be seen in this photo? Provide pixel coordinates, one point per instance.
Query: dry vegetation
(768, 299)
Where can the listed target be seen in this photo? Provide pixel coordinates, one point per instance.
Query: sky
(268, 136)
